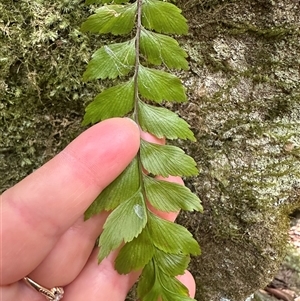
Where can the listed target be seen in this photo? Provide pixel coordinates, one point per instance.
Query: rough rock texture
(244, 86)
(244, 108)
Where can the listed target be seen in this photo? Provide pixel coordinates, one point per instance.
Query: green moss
(292, 261)
(43, 55)
(274, 32)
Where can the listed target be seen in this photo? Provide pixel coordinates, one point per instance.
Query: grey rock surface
(245, 110)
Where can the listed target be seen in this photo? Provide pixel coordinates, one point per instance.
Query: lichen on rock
(245, 110)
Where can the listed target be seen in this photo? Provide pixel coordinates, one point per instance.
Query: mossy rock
(245, 111)
(244, 108)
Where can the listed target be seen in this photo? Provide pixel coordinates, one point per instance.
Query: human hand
(43, 234)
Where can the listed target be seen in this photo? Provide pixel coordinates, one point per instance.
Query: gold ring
(53, 294)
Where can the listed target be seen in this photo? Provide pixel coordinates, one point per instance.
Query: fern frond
(160, 248)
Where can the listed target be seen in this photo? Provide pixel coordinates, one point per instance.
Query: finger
(19, 291)
(150, 138)
(49, 275)
(90, 286)
(70, 254)
(105, 280)
(65, 257)
(40, 208)
(82, 235)
(188, 281)
(96, 282)
(102, 282)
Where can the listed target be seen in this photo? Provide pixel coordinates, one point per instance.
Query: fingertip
(173, 179)
(114, 140)
(151, 138)
(188, 280)
(119, 130)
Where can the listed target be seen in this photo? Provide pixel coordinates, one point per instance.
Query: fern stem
(136, 92)
(137, 59)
